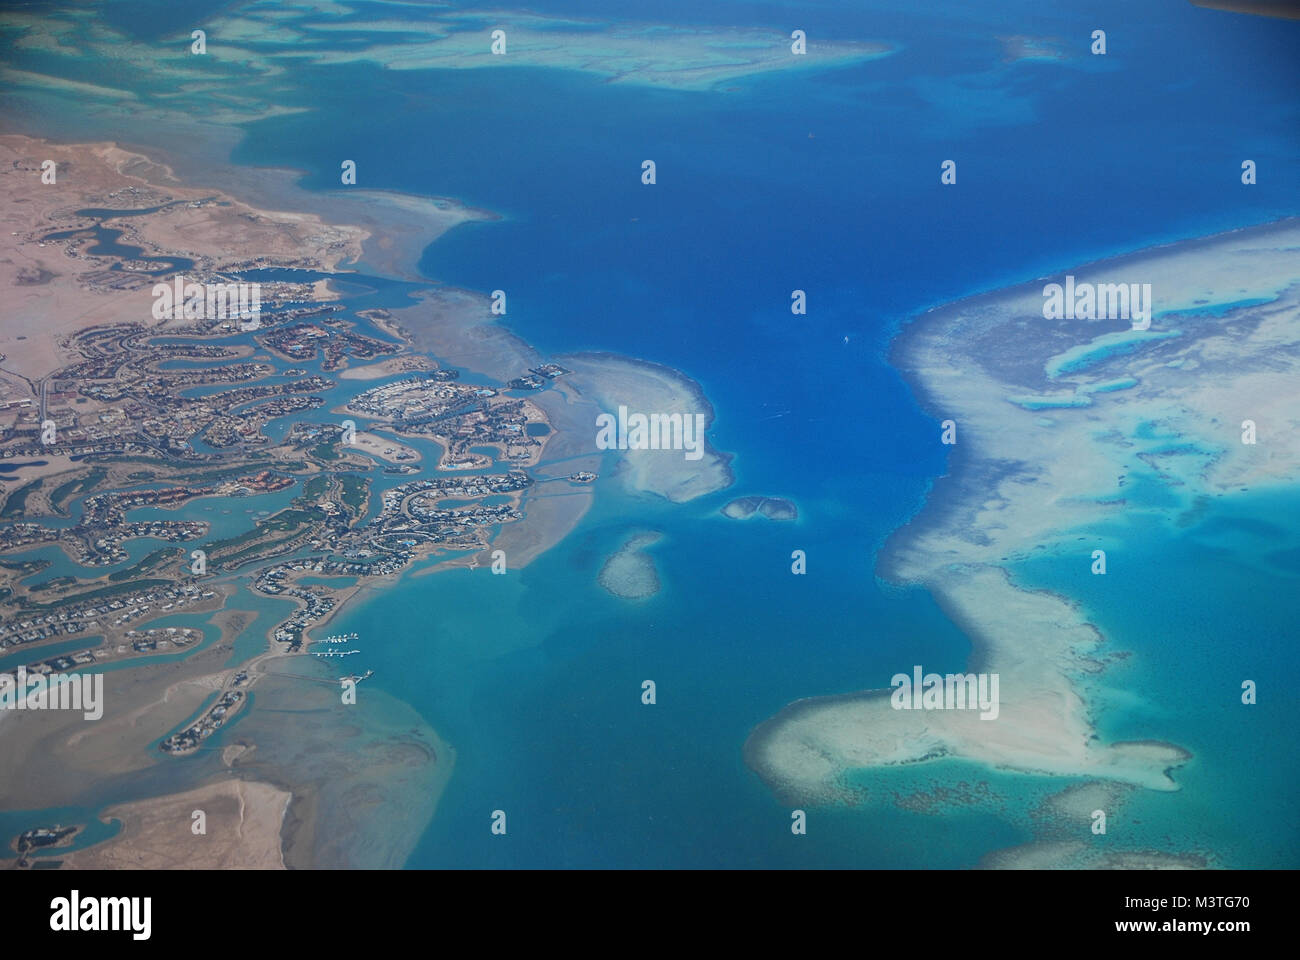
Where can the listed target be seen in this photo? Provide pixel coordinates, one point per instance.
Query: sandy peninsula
(62, 755)
(242, 820)
(1021, 482)
(53, 292)
(614, 381)
(393, 366)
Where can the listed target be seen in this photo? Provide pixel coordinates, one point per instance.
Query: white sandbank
(1020, 483)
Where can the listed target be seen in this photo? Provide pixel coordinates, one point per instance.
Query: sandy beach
(387, 368)
(385, 447)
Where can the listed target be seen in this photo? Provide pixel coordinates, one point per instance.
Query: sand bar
(1020, 483)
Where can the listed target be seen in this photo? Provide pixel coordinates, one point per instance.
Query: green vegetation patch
(146, 565)
(356, 490)
(17, 501)
(103, 593)
(76, 487)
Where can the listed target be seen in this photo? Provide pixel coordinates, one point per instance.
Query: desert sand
(242, 829)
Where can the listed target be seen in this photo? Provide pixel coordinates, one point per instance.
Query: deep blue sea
(827, 182)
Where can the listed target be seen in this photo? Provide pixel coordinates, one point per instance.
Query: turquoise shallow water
(826, 182)
(535, 679)
(543, 706)
(1199, 608)
(14, 822)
